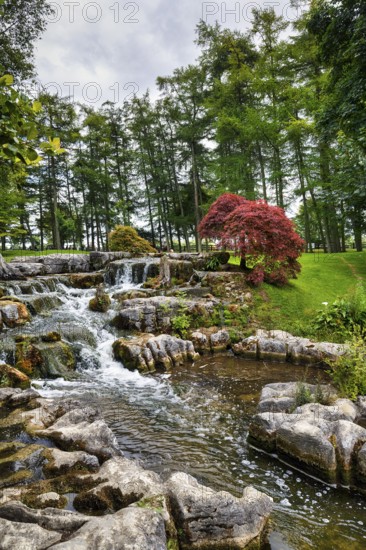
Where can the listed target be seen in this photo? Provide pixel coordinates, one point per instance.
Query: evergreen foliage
(126, 239)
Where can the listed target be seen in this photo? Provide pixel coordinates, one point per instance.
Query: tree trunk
(196, 199)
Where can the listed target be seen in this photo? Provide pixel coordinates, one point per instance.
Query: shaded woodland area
(277, 112)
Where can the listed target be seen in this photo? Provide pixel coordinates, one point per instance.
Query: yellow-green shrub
(126, 239)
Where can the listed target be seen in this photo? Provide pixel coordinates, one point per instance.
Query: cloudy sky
(109, 49)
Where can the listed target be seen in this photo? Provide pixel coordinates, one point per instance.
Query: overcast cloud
(109, 49)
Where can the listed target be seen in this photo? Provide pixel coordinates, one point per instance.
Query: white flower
(324, 303)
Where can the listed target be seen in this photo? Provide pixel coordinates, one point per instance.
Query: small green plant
(164, 307)
(212, 264)
(182, 321)
(303, 395)
(348, 371)
(181, 324)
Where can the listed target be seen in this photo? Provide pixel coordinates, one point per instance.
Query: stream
(195, 419)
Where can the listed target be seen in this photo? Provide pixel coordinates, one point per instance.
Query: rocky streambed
(191, 415)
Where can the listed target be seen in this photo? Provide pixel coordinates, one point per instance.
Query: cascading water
(195, 419)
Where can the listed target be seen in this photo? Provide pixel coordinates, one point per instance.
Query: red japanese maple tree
(262, 234)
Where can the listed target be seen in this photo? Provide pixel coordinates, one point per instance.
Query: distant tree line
(263, 114)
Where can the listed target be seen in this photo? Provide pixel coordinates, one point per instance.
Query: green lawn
(9, 254)
(323, 278)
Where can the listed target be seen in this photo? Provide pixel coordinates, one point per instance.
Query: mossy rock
(38, 358)
(62, 485)
(17, 463)
(44, 500)
(13, 378)
(100, 304)
(86, 280)
(13, 312)
(51, 337)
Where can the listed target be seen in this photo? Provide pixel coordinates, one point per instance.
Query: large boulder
(83, 430)
(121, 483)
(50, 518)
(132, 528)
(278, 345)
(8, 272)
(42, 303)
(13, 312)
(86, 280)
(25, 536)
(323, 438)
(98, 260)
(52, 264)
(309, 443)
(216, 520)
(286, 396)
(61, 462)
(101, 301)
(18, 463)
(147, 352)
(155, 314)
(38, 357)
(13, 378)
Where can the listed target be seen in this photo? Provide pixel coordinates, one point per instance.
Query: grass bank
(323, 278)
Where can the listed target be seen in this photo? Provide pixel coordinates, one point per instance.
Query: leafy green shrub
(348, 372)
(126, 239)
(212, 264)
(345, 315)
(181, 324)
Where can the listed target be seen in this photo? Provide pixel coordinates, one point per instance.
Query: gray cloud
(131, 43)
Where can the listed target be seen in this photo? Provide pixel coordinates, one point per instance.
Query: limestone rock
(13, 313)
(154, 314)
(220, 340)
(25, 536)
(282, 396)
(361, 463)
(212, 519)
(247, 348)
(148, 352)
(323, 438)
(52, 264)
(83, 430)
(271, 349)
(98, 260)
(200, 341)
(135, 270)
(42, 359)
(123, 482)
(308, 443)
(49, 518)
(7, 271)
(349, 438)
(129, 529)
(361, 406)
(61, 462)
(10, 377)
(86, 280)
(101, 302)
(5, 393)
(18, 462)
(296, 349)
(42, 303)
